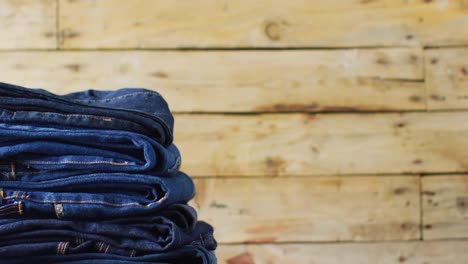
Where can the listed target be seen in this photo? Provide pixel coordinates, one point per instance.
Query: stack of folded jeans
(93, 177)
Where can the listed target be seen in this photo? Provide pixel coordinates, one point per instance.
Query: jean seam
(9, 206)
(76, 162)
(5, 210)
(113, 98)
(97, 117)
(8, 213)
(82, 202)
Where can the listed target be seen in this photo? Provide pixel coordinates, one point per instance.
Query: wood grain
(310, 208)
(237, 81)
(417, 252)
(447, 78)
(236, 73)
(28, 24)
(266, 23)
(307, 144)
(445, 206)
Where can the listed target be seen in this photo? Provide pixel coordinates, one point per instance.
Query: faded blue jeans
(190, 254)
(129, 109)
(42, 148)
(172, 228)
(93, 196)
(93, 176)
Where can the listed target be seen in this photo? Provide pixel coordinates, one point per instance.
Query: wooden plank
(28, 24)
(420, 252)
(310, 208)
(447, 78)
(239, 81)
(266, 23)
(445, 206)
(306, 144)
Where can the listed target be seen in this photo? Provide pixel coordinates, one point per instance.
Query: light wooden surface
(445, 206)
(317, 131)
(416, 252)
(316, 144)
(28, 24)
(266, 23)
(447, 78)
(311, 208)
(223, 81)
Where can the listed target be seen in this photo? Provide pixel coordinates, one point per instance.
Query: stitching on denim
(9, 206)
(64, 248)
(58, 247)
(77, 162)
(85, 202)
(6, 207)
(107, 248)
(79, 240)
(132, 254)
(7, 213)
(162, 199)
(105, 118)
(12, 165)
(101, 245)
(9, 197)
(61, 248)
(113, 98)
(20, 208)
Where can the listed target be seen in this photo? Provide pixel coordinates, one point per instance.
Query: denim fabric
(172, 228)
(190, 254)
(44, 148)
(93, 177)
(137, 110)
(94, 196)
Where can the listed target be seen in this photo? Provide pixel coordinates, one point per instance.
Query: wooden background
(326, 131)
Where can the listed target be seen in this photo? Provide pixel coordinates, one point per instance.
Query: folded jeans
(94, 196)
(129, 109)
(170, 229)
(42, 148)
(190, 254)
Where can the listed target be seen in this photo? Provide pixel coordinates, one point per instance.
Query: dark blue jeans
(41, 148)
(93, 177)
(93, 196)
(190, 254)
(136, 110)
(170, 229)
